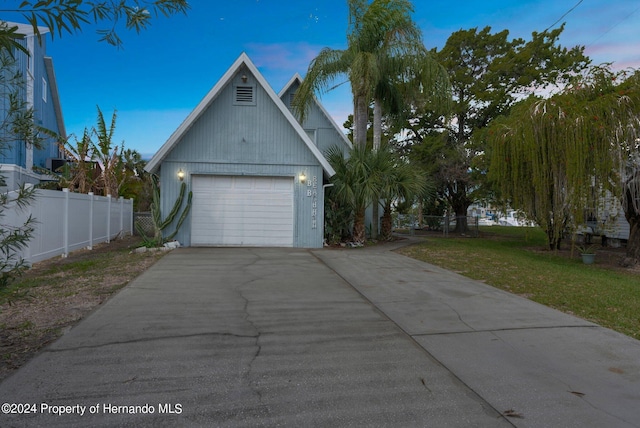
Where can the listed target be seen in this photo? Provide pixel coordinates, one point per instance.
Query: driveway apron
(288, 337)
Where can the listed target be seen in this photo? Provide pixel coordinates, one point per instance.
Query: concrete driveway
(287, 337)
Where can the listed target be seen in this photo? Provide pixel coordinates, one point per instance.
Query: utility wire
(613, 26)
(565, 14)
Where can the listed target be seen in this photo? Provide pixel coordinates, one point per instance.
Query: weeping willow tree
(553, 158)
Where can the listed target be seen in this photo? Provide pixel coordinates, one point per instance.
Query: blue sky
(163, 72)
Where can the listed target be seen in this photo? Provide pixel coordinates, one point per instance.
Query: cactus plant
(159, 225)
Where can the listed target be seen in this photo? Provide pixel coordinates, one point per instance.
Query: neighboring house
(607, 219)
(256, 174)
(40, 92)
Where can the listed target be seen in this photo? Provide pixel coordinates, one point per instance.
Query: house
(37, 90)
(607, 220)
(257, 175)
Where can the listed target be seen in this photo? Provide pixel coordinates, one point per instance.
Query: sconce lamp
(302, 177)
(244, 78)
(180, 174)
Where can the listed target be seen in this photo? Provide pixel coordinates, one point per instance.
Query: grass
(57, 293)
(516, 260)
(64, 274)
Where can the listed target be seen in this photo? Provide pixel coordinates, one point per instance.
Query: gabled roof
(297, 79)
(243, 60)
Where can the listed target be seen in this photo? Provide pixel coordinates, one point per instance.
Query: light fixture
(244, 78)
(180, 174)
(302, 177)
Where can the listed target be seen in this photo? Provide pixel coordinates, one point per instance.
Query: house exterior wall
(11, 152)
(325, 133)
(256, 140)
(35, 91)
(45, 114)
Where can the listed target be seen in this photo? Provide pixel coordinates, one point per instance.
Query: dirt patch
(56, 294)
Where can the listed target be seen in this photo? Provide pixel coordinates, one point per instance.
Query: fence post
(121, 215)
(65, 223)
(91, 199)
(108, 219)
(26, 253)
(131, 225)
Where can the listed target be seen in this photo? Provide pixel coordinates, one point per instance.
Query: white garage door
(242, 211)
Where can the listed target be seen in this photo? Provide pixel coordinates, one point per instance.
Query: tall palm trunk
(377, 138)
(377, 123)
(360, 120)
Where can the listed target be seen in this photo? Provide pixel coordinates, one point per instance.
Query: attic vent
(292, 95)
(244, 94)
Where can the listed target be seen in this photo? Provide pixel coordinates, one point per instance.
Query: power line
(565, 14)
(613, 26)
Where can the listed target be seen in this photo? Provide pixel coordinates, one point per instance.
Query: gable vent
(244, 94)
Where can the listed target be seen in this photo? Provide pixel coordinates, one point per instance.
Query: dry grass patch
(57, 293)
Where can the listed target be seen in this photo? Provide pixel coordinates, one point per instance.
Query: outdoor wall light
(180, 174)
(302, 177)
(244, 78)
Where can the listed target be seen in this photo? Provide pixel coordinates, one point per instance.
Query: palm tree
(355, 183)
(108, 157)
(398, 181)
(368, 175)
(404, 80)
(78, 172)
(383, 26)
(384, 49)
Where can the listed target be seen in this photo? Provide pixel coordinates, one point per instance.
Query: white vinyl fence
(67, 221)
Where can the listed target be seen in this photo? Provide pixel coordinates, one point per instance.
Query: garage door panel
(246, 211)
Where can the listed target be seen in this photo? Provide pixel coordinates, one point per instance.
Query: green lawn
(516, 260)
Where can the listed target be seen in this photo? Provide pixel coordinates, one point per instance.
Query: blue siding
(326, 134)
(44, 113)
(231, 133)
(10, 152)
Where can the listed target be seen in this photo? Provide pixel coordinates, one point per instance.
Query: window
(44, 90)
(311, 133)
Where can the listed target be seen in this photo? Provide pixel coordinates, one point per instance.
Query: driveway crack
(249, 375)
(148, 339)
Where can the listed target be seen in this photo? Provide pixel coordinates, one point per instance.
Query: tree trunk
(360, 119)
(632, 214)
(633, 244)
(377, 124)
(554, 241)
(386, 226)
(460, 211)
(377, 138)
(375, 216)
(359, 227)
